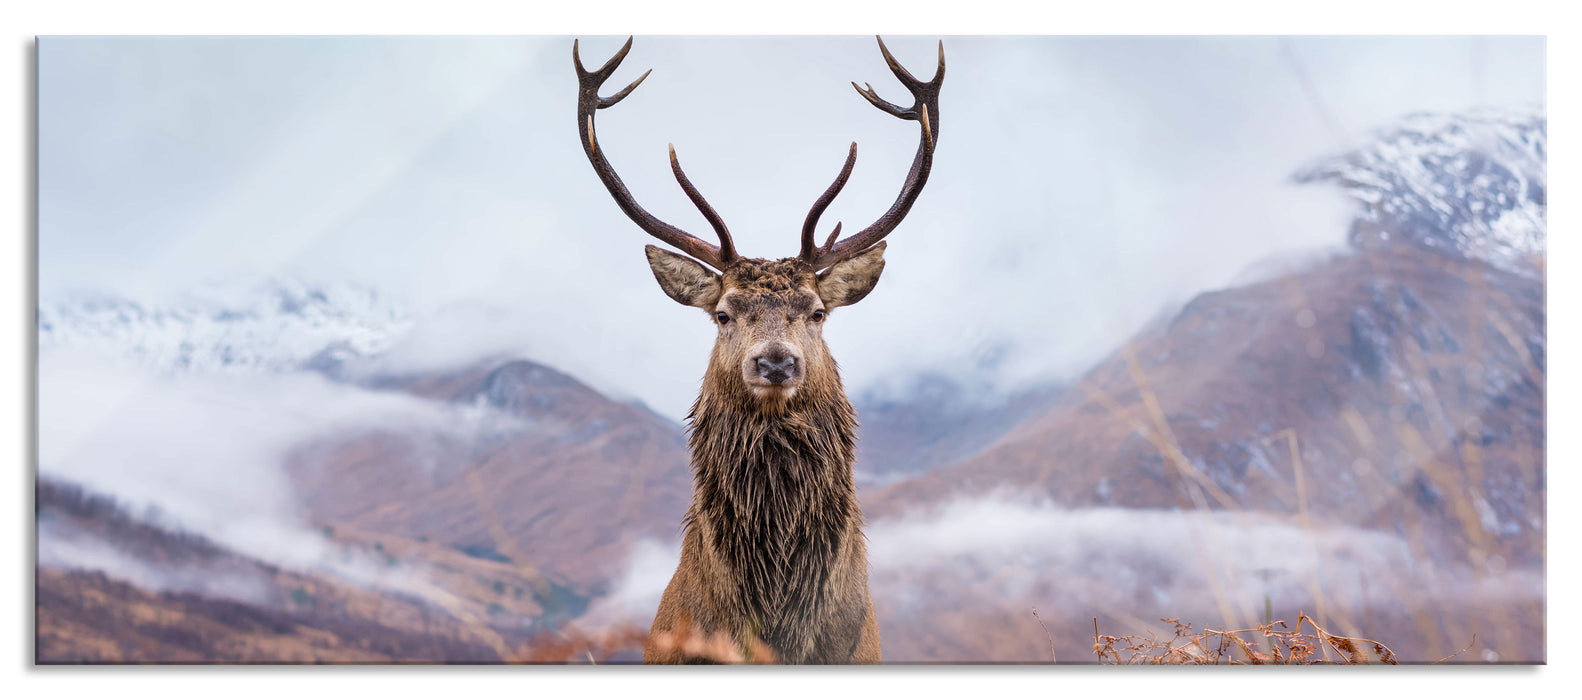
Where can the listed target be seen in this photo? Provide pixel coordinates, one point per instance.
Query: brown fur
(773, 548)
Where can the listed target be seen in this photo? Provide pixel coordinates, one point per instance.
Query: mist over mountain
(1362, 434)
(281, 325)
(1390, 396)
(1083, 181)
(932, 420)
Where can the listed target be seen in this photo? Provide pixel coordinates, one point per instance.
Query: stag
(773, 553)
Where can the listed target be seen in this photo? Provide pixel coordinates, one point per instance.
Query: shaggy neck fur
(774, 501)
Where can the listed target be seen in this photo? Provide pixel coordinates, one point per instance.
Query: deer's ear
(684, 279)
(847, 282)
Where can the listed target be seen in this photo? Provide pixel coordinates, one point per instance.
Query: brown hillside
(1406, 383)
(1393, 392)
(196, 602)
(560, 493)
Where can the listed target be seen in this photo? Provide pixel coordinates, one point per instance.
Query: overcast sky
(1080, 184)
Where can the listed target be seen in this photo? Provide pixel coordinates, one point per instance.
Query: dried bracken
(575, 645)
(719, 647)
(1273, 643)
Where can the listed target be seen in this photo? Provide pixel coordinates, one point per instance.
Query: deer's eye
(722, 317)
(818, 316)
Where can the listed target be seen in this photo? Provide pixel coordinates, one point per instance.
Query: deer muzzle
(774, 370)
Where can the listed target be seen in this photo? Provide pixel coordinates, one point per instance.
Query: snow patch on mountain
(1472, 185)
(284, 325)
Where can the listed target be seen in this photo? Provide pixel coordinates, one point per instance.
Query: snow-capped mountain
(282, 325)
(1472, 185)
(1397, 388)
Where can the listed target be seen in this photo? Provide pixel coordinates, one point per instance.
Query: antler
(924, 109)
(588, 101)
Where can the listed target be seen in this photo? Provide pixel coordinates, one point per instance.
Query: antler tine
(832, 236)
(604, 71)
(925, 110)
(589, 102)
(727, 246)
(877, 101)
(811, 222)
(896, 67)
(617, 97)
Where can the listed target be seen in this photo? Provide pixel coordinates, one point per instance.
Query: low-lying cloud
(62, 548)
(203, 452)
(634, 597)
(1134, 562)
(1133, 565)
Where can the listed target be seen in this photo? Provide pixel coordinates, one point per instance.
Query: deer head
(769, 313)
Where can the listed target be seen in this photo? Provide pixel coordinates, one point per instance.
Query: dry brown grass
(1274, 643)
(575, 646)
(718, 647)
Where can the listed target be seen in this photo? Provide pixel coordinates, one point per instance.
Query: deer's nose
(777, 367)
